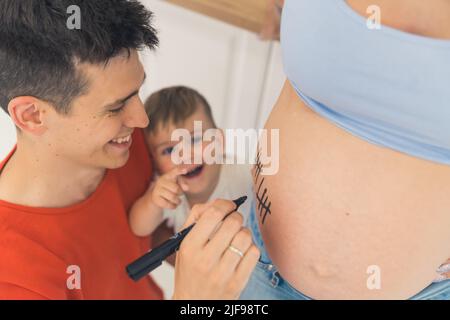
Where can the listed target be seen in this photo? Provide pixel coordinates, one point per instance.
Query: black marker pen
(153, 259)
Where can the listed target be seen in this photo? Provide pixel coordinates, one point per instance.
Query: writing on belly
(262, 196)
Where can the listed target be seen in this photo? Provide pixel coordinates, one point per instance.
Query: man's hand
(166, 190)
(209, 264)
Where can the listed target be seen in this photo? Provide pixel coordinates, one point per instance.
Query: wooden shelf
(247, 14)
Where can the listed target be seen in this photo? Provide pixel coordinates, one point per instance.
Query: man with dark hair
(81, 161)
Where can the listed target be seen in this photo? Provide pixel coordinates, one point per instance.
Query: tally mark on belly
(261, 195)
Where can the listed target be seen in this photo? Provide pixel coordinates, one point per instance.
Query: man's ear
(28, 113)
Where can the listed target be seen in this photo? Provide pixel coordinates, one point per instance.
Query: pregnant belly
(350, 219)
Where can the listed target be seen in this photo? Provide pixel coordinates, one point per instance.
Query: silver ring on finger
(236, 250)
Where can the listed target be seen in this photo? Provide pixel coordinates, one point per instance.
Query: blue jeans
(267, 284)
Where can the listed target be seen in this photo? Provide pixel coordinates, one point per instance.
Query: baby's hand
(167, 190)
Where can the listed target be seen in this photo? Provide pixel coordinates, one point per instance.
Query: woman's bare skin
(340, 205)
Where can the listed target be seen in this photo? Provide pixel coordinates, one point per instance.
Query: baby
(176, 188)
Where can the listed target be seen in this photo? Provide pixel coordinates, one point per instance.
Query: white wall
(229, 65)
(7, 135)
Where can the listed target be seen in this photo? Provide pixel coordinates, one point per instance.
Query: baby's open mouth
(194, 172)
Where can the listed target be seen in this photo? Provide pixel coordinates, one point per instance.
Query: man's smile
(122, 143)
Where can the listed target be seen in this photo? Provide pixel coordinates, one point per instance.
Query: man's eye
(168, 151)
(118, 110)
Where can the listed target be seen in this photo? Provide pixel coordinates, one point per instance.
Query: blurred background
(223, 49)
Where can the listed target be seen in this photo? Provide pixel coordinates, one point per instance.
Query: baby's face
(201, 177)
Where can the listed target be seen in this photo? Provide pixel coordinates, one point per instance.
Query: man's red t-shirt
(46, 253)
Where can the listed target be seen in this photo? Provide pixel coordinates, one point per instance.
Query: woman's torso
(342, 207)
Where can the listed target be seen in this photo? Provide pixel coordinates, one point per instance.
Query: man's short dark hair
(174, 105)
(39, 53)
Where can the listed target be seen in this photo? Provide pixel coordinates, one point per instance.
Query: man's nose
(136, 117)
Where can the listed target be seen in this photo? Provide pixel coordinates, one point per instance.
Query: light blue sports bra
(386, 86)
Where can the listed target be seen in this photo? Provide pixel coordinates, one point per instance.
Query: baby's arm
(146, 214)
